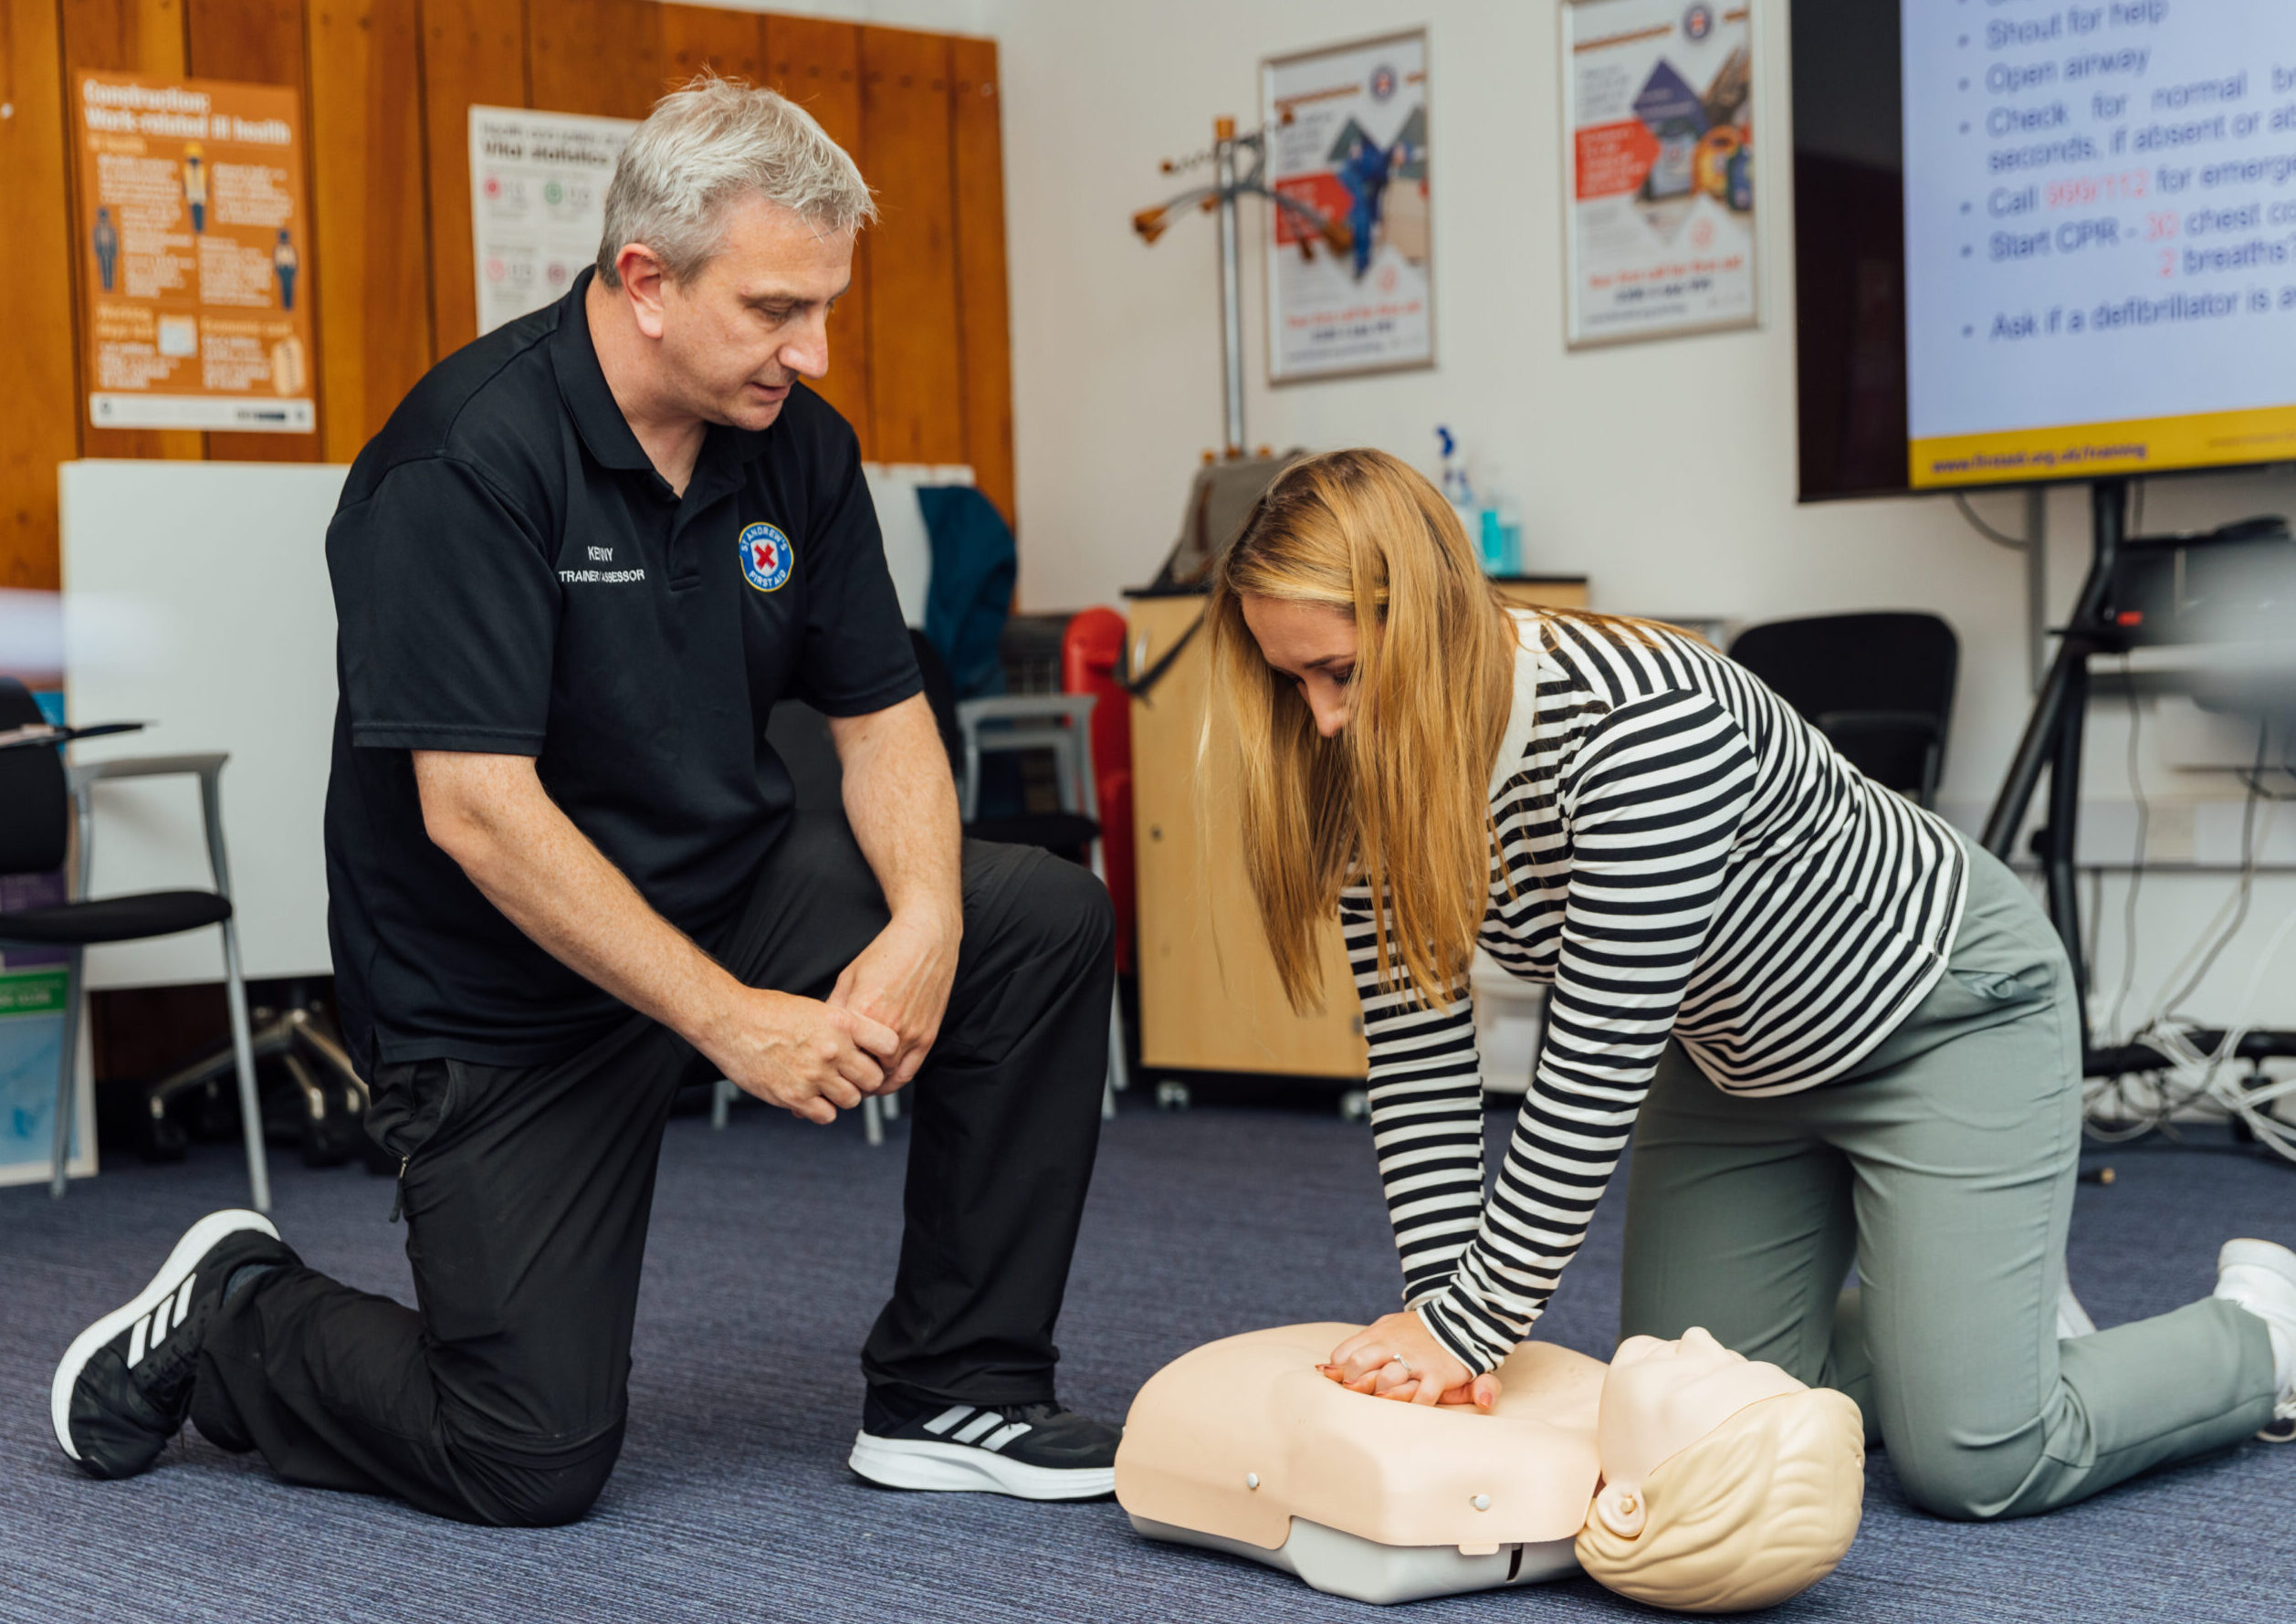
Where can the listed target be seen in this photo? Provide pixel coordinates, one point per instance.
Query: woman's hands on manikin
(1396, 1356)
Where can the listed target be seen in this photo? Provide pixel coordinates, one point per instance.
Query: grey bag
(1218, 501)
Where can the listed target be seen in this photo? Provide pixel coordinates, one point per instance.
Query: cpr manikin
(1681, 1475)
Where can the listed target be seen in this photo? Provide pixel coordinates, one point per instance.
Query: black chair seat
(117, 918)
(1055, 831)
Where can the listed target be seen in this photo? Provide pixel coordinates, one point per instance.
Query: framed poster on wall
(1658, 203)
(538, 203)
(196, 246)
(1346, 134)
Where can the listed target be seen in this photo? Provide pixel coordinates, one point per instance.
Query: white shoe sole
(2073, 1319)
(2257, 1254)
(915, 1463)
(2279, 1263)
(198, 1241)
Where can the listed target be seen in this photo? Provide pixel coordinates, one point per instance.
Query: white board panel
(196, 599)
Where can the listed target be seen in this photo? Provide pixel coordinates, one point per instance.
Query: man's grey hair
(708, 143)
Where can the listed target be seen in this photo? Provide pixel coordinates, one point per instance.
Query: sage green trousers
(1943, 1167)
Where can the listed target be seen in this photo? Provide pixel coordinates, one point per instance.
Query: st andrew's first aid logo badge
(766, 557)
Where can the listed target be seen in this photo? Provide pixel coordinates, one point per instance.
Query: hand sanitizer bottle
(1460, 492)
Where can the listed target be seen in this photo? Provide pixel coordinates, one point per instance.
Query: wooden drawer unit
(1209, 999)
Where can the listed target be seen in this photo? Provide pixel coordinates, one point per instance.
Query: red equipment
(1089, 651)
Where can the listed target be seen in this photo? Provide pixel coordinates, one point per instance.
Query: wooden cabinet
(1209, 999)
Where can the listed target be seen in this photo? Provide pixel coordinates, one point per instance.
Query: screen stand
(2052, 737)
(2051, 743)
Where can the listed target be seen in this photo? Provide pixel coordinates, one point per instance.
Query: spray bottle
(1457, 491)
(1482, 520)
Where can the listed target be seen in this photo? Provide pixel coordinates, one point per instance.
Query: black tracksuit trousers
(503, 1397)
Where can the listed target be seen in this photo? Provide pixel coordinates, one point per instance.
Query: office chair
(1879, 687)
(970, 730)
(40, 800)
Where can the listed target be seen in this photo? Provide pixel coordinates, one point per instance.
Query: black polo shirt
(512, 577)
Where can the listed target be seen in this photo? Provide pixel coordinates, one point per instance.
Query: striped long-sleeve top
(1679, 856)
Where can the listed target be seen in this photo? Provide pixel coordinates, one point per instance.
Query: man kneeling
(573, 573)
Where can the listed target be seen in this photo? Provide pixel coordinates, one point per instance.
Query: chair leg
(243, 1053)
(67, 1078)
(872, 1119)
(720, 1101)
(1119, 1078)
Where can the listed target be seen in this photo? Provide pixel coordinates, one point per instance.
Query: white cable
(2136, 866)
(2204, 1074)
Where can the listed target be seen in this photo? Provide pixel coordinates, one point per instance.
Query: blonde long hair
(1398, 800)
(1757, 1511)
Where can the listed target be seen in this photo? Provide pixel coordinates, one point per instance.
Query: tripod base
(326, 1103)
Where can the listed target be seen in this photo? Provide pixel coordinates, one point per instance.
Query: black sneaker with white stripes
(125, 1384)
(1035, 1452)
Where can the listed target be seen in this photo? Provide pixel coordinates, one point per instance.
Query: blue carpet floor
(772, 1248)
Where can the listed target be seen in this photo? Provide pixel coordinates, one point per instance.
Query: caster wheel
(325, 1143)
(1355, 1105)
(1172, 1096)
(163, 1138)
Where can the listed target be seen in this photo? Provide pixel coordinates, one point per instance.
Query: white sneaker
(2261, 1278)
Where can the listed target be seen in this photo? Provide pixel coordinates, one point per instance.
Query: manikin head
(730, 232)
(1727, 1484)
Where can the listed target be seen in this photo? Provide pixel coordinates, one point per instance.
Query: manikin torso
(1245, 1446)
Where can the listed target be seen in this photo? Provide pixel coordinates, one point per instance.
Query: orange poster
(195, 255)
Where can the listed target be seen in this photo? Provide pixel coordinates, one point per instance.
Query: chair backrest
(34, 803)
(1878, 685)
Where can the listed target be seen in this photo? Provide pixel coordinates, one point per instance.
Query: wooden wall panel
(123, 36)
(984, 315)
(260, 42)
(915, 368)
(39, 375)
(816, 63)
(366, 142)
(918, 346)
(473, 54)
(730, 44)
(601, 56)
